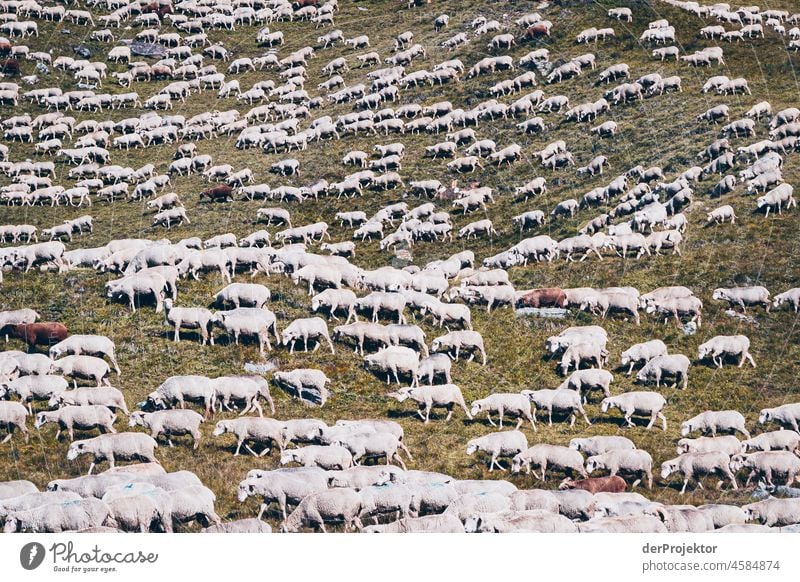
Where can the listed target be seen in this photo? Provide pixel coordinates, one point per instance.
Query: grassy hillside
(657, 131)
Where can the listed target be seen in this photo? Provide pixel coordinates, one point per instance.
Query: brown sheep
(44, 333)
(593, 485)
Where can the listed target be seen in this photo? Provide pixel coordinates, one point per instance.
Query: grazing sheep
(642, 403)
(429, 397)
(177, 389)
(713, 421)
(643, 352)
(768, 464)
(13, 416)
(282, 486)
(87, 367)
(393, 361)
(722, 346)
(542, 455)
(510, 404)
(676, 365)
(34, 387)
(601, 444)
(695, 465)
(169, 423)
(314, 328)
(266, 431)
(728, 444)
(583, 381)
(792, 297)
(580, 353)
(105, 396)
(110, 447)
(86, 345)
(743, 296)
(777, 440)
(635, 461)
(189, 318)
(81, 417)
(786, 414)
(375, 445)
(558, 400)
(245, 389)
(499, 444)
(329, 457)
(247, 294)
(334, 505)
(305, 380)
(773, 512)
(58, 517)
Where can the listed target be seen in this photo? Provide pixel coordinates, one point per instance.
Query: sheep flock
(399, 266)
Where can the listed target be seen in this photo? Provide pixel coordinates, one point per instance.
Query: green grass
(658, 131)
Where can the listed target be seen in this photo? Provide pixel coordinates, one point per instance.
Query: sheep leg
(252, 452)
(403, 446)
(629, 421)
(238, 446)
(685, 483)
(489, 418)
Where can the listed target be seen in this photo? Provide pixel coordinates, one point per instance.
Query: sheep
(258, 430)
(35, 387)
(82, 417)
(363, 332)
(721, 214)
(140, 284)
(58, 517)
(582, 381)
(559, 400)
(432, 366)
(305, 328)
(169, 423)
(715, 420)
(393, 361)
(104, 396)
(579, 353)
(189, 318)
(503, 404)
(743, 296)
(87, 367)
(542, 455)
(249, 321)
(87, 345)
(768, 464)
(327, 457)
(792, 297)
(728, 444)
(175, 390)
(642, 403)
(379, 444)
(428, 397)
(786, 414)
(110, 447)
(643, 352)
(334, 505)
(11, 489)
(283, 487)
(777, 440)
(676, 365)
(13, 416)
(247, 294)
(637, 462)
(247, 389)
(314, 383)
(457, 341)
(773, 512)
(572, 335)
(499, 444)
(696, 465)
(722, 346)
(601, 444)
(334, 300)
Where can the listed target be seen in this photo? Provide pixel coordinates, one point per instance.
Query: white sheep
(87, 367)
(13, 416)
(34, 387)
(58, 517)
(432, 366)
(792, 297)
(393, 361)
(722, 346)
(768, 464)
(695, 465)
(601, 444)
(198, 318)
(583, 381)
(313, 383)
(676, 365)
(328, 457)
(499, 444)
(580, 353)
(247, 294)
(245, 389)
(335, 299)
(773, 512)
(558, 400)
(429, 397)
(743, 296)
(714, 421)
(104, 396)
(266, 431)
(786, 414)
(110, 447)
(82, 417)
(776, 440)
(86, 345)
(642, 403)
(169, 423)
(249, 321)
(307, 328)
(642, 353)
(334, 505)
(282, 486)
(505, 404)
(544, 455)
(458, 341)
(636, 461)
(175, 390)
(727, 444)
(375, 445)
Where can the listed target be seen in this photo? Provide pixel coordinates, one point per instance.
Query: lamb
(175, 390)
(642, 403)
(82, 417)
(643, 352)
(695, 465)
(86, 345)
(542, 455)
(87, 367)
(722, 346)
(728, 445)
(60, 517)
(743, 296)
(247, 294)
(190, 318)
(579, 353)
(777, 440)
(773, 512)
(559, 400)
(314, 383)
(428, 397)
(110, 447)
(265, 431)
(104, 396)
(246, 389)
(715, 420)
(13, 416)
(334, 300)
(601, 444)
(676, 365)
(499, 444)
(334, 505)
(582, 381)
(792, 297)
(283, 487)
(35, 387)
(305, 328)
(169, 423)
(786, 415)
(635, 461)
(393, 361)
(510, 404)
(456, 341)
(328, 457)
(768, 464)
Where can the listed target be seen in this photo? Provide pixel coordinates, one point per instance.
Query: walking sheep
(110, 447)
(642, 403)
(499, 444)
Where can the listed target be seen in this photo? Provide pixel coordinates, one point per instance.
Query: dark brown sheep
(593, 485)
(44, 333)
(546, 297)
